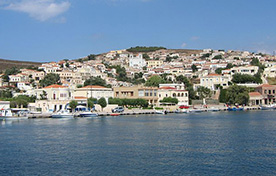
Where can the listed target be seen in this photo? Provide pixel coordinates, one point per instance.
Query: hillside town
(145, 78)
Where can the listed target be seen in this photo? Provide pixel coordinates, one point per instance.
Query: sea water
(215, 143)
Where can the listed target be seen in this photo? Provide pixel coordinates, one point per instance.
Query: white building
(212, 81)
(137, 61)
(250, 70)
(93, 92)
(181, 95)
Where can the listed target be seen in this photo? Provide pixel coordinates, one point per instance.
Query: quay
(141, 112)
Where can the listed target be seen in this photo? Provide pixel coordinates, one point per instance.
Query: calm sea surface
(222, 143)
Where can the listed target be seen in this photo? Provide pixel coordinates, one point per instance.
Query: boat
(268, 107)
(197, 110)
(88, 114)
(213, 109)
(6, 114)
(235, 108)
(115, 114)
(160, 112)
(62, 114)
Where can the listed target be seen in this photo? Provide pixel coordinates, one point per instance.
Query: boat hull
(62, 116)
(13, 118)
(88, 115)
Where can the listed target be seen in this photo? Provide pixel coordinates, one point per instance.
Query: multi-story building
(93, 92)
(213, 81)
(268, 92)
(180, 94)
(53, 98)
(147, 93)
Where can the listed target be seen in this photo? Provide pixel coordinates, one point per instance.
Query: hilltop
(5, 64)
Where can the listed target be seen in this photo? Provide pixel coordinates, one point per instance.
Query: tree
(246, 78)
(95, 81)
(43, 96)
(73, 104)
(144, 49)
(203, 92)
(154, 81)
(194, 68)
(8, 72)
(90, 103)
(146, 56)
(91, 57)
(219, 70)
(169, 100)
(222, 96)
(218, 57)
(237, 95)
(102, 102)
(229, 66)
(50, 79)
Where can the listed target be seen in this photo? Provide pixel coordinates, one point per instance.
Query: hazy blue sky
(50, 30)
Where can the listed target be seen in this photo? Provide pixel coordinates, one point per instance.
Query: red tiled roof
(266, 85)
(54, 86)
(254, 94)
(93, 87)
(80, 97)
(214, 74)
(166, 88)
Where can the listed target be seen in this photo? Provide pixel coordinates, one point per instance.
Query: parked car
(118, 109)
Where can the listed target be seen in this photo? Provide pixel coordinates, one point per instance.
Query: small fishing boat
(6, 114)
(62, 114)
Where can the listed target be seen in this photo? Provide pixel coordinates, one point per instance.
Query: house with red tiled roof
(175, 91)
(268, 92)
(255, 98)
(53, 97)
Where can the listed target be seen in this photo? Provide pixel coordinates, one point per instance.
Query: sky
(52, 30)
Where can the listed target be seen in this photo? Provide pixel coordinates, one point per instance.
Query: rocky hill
(4, 64)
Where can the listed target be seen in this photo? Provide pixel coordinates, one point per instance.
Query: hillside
(4, 64)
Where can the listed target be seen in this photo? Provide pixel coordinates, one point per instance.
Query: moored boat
(88, 114)
(62, 114)
(6, 114)
(235, 108)
(268, 107)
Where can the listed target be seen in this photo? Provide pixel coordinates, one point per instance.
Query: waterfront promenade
(149, 111)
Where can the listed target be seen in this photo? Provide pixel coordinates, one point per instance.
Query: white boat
(6, 114)
(213, 109)
(185, 110)
(197, 110)
(160, 112)
(63, 114)
(268, 107)
(88, 114)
